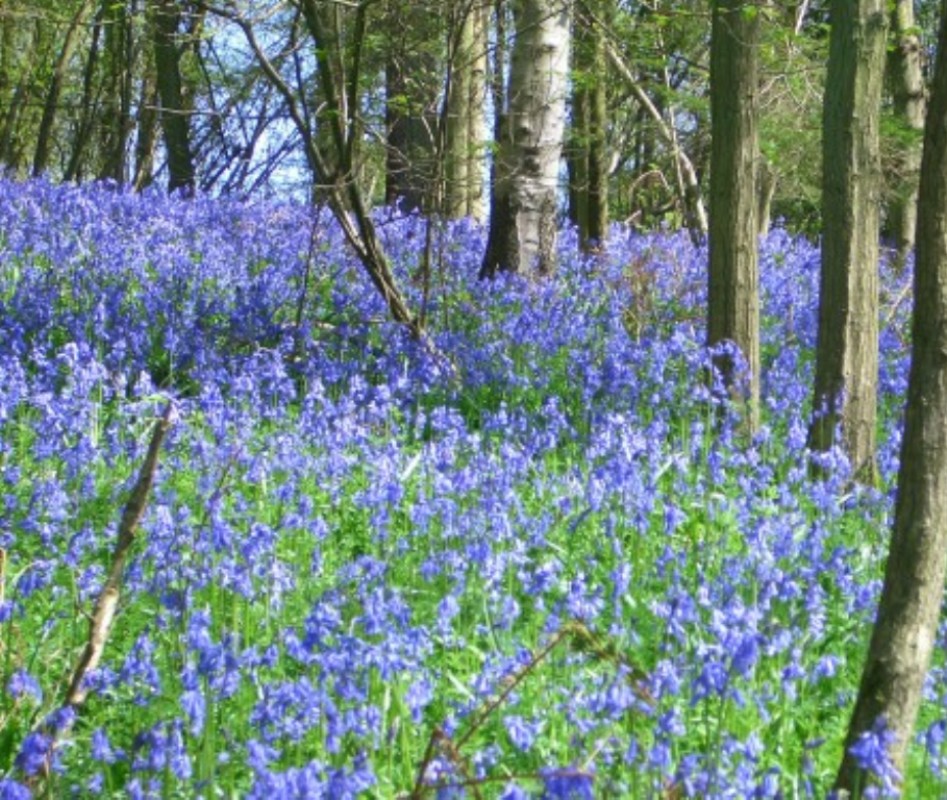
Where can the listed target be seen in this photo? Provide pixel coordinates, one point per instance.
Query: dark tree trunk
(733, 291)
(906, 627)
(174, 117)
(44, 138)
(847, 352)
(411, 87)
(117, 110)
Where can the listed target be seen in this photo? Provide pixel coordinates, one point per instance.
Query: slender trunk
(89, 103)
(476, 104)
(117, 110)
(466, 123)
(688, 189)
(906, 77)
(51, 106)
(733, 290)
(847, 351)
(905, 630)
(147, 132)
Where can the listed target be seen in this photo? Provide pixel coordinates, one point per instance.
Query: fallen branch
(107, 602)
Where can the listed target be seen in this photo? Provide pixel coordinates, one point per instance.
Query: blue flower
(567, 784)
(871, 751)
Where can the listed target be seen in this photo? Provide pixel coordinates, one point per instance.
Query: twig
(107, 602)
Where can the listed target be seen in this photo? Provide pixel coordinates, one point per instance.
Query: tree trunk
(117, 110)
(51, 106)
(907, 89)
(174, 119)
(767, 180)
(523, 219)
(466, 123)
(89, 103)
(847, 352)
(733, 289)
(147, 129)
(589, 156)
(476, 104)
(411, 111)
(906, 626)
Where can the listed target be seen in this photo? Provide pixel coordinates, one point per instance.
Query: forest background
(505, 123)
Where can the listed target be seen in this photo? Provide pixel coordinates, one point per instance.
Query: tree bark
(174, 118)
(906, 76)
(411, 88)
(44, 136)
(147, 126)
(906, 626)
(733, 286)
(589, 156)
(523, 219)
(117, 110)
(847, 351)
(466, 123)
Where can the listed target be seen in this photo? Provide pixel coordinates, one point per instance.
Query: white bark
(532, 144)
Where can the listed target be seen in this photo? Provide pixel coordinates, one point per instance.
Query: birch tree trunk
(523, 221)
(847, 351)
(733, 289)
(906, 626)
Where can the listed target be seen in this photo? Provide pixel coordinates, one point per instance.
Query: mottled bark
(525, 187)
(908, 613)
(733, 287)
(847, 351)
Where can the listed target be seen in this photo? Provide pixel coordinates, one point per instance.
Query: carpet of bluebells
(545, 562)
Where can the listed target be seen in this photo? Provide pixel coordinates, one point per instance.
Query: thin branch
(107, 602)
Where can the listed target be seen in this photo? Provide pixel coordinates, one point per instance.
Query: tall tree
(466, 121)
(166, 22)
(412, 81)
(906, 626)
(906, 77)
(522, 234)
(733, 290)
(44, 139)
(847, 351)
(117, 115)
(588, 157)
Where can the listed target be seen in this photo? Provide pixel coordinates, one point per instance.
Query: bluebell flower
(22, 684)
(35, 754)
(12, 790)
(567, 784)
(521, 732)
(871, 751)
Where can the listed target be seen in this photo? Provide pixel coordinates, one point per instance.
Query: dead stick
(107, 602)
